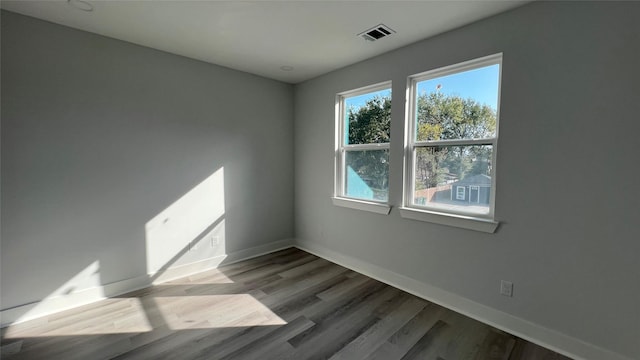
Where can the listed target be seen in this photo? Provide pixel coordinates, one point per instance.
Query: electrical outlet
(506, 288)
(215, 241)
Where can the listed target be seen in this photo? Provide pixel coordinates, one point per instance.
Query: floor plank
(284, 305)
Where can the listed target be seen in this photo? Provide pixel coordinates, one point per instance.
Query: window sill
(460, 221)
(370, 206)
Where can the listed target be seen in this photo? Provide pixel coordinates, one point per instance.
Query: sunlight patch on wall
(215, 311)
(85, 279)
(82, 288)
(190, 229)
(113, 316)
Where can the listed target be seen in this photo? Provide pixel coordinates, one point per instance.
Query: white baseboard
(259, 251)
(52, 305)
(212, 263)
(55, 304)
(551, 339)
(527, 330)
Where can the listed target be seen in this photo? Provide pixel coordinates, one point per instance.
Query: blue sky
(360, 100)
(480, 84)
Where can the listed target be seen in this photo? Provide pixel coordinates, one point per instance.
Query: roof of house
(479, 179)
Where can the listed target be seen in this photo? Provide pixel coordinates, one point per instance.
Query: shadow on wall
(188, 235)
(121, 161)
(189, 230)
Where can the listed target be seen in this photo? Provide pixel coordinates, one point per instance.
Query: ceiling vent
(376, 32)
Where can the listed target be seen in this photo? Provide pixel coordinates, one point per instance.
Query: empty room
(320, 180)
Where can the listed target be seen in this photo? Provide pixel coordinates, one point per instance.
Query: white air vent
(376, 32)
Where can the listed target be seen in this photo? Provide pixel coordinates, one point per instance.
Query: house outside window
(452, 137)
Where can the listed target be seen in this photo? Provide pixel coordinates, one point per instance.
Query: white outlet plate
(215, 241)
(506, 288)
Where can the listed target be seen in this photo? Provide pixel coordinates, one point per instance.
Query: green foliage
(439, 117)
(443, 117)
(482, 162)
(369, 124)
(428, 173)
(429, 131)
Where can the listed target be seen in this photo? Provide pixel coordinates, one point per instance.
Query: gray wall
(569, 117)
(99, 136)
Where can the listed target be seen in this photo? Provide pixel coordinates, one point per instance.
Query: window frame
(339, 197)
(452, 217)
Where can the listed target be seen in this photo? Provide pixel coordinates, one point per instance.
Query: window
(452, 135)
(363, 122)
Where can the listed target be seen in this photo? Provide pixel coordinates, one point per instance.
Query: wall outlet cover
(506, 288)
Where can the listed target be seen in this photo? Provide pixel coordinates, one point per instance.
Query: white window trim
(374, 207)
(464, 190)
(339, 198)
(449, 219)
(478, 222)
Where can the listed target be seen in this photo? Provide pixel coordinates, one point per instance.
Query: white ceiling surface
(259, 37)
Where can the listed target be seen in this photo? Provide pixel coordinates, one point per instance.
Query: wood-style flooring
(285, 305)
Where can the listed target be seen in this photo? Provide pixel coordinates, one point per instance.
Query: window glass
(453, 132)
(368, 118)
(367, 174)
(458, 106)
(362, 154)
(442, 173)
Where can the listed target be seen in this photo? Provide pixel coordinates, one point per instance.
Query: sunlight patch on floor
(86, 284)
(215, 311)
(113, 316)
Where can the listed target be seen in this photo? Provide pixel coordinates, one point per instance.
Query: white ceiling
(260, 37)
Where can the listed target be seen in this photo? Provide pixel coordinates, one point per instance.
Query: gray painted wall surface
(569, 115)
(99, 136)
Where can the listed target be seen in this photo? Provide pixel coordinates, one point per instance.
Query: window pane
(454, 178)
(367, 174)
(458, 106)
(368, 118)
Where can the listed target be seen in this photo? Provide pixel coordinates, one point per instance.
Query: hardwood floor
(285, 305)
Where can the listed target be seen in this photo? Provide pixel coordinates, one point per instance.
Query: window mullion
(455, 142)
(362, 147)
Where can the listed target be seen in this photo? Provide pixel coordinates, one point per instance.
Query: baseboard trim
(551, 339)
(56, 304)
(212, 263)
